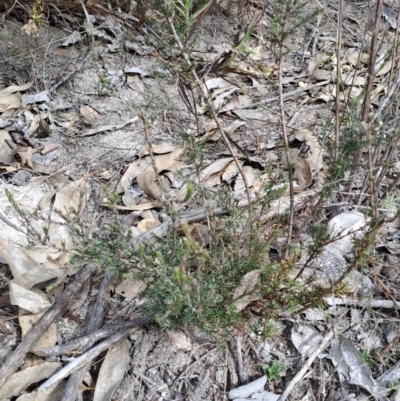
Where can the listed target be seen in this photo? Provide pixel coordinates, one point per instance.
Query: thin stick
(88, 340)
(209, 103)
(82, 360)
(338, 79)
(299, 375)
(95, 322)
(16, 359)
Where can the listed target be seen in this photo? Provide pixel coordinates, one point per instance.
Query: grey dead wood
(83, 360)
(89, 340)
(95, 322)
(16, 359)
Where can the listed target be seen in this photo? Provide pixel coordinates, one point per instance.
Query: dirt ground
(187, 364)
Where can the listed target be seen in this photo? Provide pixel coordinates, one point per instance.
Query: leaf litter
(155, 172)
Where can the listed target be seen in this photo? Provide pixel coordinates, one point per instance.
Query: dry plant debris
(225, 137)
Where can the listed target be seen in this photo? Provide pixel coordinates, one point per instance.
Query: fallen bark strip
(16, 359)
(95, 322)
(88, 340)
(82, 360)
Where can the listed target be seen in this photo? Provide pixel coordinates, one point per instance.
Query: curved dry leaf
(201, 234)
(249, 173)
(52, 394)
(315, 61)
(73, 195)
(17, 88)
(147, 224)
(49, 147)
(112, 370)
(302, 170)
(47, 339)
(171, 161)
(26, 156)
(34, 300)
(19, 381)
(213, 180)
(10, 101)
(6, 153)
(315, 159)
(130, 288)
(231, 170)
(159, 149)
(146, 182)
(135, 168)
(90, 115)
(215, 167)
(244, 293)
(26, 270)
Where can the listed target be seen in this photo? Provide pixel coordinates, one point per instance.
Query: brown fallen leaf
(26, 156)
(147, 224)
(90, 115)
(147, 183)
(49, 147)
(302, 170)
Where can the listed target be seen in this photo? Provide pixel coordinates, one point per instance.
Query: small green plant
(365, 355)
(274, 370)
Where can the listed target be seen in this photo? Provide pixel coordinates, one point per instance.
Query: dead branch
(16, 359)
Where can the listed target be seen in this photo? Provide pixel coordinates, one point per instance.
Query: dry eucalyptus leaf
(26, 155)
(53, 394)
(112, 371)
(147, 224)
(19, 381)
(135, 83)
(48, 338)
(249, 173)
(26, 270)
(351, 366)
(137, 167)
(146, 182)
(245, 292)
(317, 153)
(33, 300)
(215, 167)
(160, 149)
(302, 170)
(231, 170)
(315, 61)
(201, 234)
(306, 339)
(6, 153)
(130, 288)
(90, 115)
(49, 147)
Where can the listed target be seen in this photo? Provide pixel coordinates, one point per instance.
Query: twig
(88, 340)
(82, 360)
(338, 79)
(69, 75)
(190, 366)
(15, 360)
(288, 95)
(242, 373)
(95, 322)
(299, 375)
(209, 103)
(289, 166)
